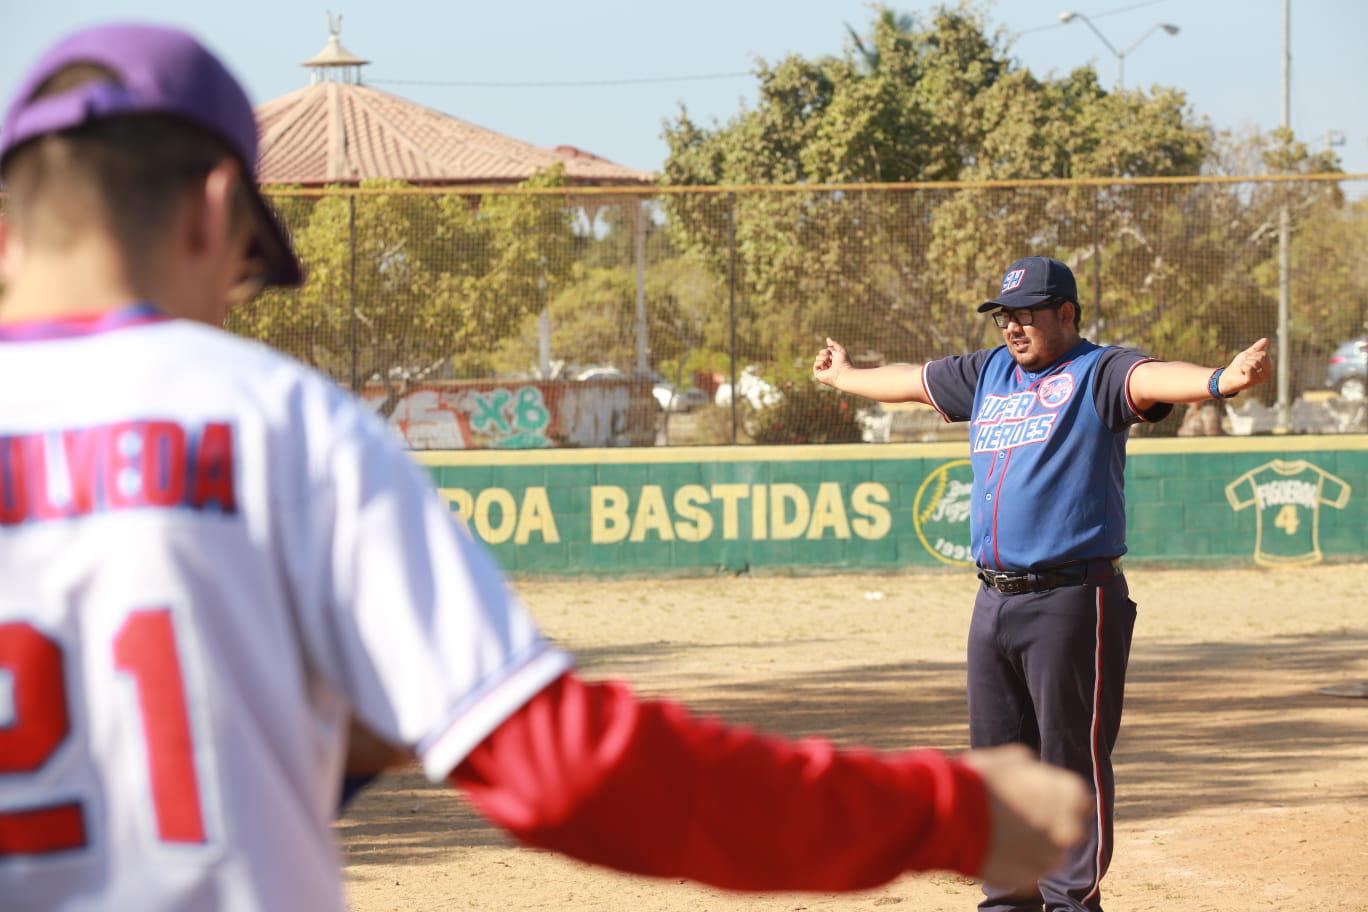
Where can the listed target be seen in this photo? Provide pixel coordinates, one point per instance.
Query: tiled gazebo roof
(337, 132)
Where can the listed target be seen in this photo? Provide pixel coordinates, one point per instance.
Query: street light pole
(1066, 17)
(1121, 57)
(1069, 16)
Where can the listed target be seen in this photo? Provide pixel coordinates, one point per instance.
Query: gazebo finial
(334, 63)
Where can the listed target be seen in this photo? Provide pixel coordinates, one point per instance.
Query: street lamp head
(1171, 29)
(1067, 16)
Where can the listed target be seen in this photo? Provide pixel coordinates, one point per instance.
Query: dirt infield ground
(1240, 786)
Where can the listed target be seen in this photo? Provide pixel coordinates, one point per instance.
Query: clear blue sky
(1227, 56)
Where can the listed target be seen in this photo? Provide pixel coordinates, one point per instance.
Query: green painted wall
(1268, 500)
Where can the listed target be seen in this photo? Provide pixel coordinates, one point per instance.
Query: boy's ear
(209, 208)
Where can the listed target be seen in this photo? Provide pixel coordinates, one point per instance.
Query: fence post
(731, 301)
(1284, 344)
(351, 289)
(1097, 268)
(643, 359)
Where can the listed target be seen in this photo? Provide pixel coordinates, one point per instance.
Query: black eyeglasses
(1023, 316)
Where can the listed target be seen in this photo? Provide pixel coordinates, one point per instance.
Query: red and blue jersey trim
(78, 325)
(931, 396)
(1130, 402)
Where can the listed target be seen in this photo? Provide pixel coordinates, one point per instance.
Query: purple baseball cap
(1034, 282)
(159, 71)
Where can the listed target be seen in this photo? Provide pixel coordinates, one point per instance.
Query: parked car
(600, 373)
(1348, 370)
(685, 400)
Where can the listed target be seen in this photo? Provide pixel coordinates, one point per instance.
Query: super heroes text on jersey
(1022, 418)
(127, 465)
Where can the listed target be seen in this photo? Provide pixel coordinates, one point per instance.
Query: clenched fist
(1249, 368)
(830, 362)
(1038, 814)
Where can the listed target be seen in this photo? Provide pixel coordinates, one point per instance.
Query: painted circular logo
(1055, 391)
(940, 512)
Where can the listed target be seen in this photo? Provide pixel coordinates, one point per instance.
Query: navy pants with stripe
(1048, 670)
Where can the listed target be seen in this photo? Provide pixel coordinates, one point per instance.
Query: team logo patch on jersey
(1055, 391)
(1012, 279)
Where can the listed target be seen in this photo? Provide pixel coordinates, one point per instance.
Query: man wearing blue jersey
(1051, 630)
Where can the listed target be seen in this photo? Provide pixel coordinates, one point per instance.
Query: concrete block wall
(1273, 501)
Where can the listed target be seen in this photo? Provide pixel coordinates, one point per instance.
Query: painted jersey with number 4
(1288, 496)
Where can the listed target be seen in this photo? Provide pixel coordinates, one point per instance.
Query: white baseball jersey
(211, 556)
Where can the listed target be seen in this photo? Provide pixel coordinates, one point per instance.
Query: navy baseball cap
(1033, 282)
(158, 71)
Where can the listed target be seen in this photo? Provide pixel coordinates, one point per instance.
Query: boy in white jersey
(213, 558)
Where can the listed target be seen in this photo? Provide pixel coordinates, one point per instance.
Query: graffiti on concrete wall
(508, 419)
(530, 416)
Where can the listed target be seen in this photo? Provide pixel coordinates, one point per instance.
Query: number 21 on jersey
(33, 673)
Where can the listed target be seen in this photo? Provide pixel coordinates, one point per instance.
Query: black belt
(1015, 582)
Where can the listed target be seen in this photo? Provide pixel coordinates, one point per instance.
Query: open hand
(830, 362)
(1249, 368)
(1038, 814)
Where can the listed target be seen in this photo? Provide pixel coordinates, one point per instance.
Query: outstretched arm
(889, 383)
(641, 786)
(1179, 381)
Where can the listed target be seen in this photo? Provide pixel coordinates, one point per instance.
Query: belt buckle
(1014, 585)
(1006, 583)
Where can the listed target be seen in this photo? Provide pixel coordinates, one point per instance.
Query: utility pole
(1284, 254)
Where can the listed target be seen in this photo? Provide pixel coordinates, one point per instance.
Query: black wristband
(1214, 386)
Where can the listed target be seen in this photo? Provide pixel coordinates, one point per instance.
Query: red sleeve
(590, 771)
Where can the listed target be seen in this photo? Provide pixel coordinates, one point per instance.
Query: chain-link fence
(594, 316)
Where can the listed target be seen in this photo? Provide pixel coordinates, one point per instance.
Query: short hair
(128, 173)
(1078, 310)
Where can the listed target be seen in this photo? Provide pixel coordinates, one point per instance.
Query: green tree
(593, 319)
(435, 275)
(1199, 280)
(914, 100)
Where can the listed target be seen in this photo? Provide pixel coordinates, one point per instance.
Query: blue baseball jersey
(1048, 451)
